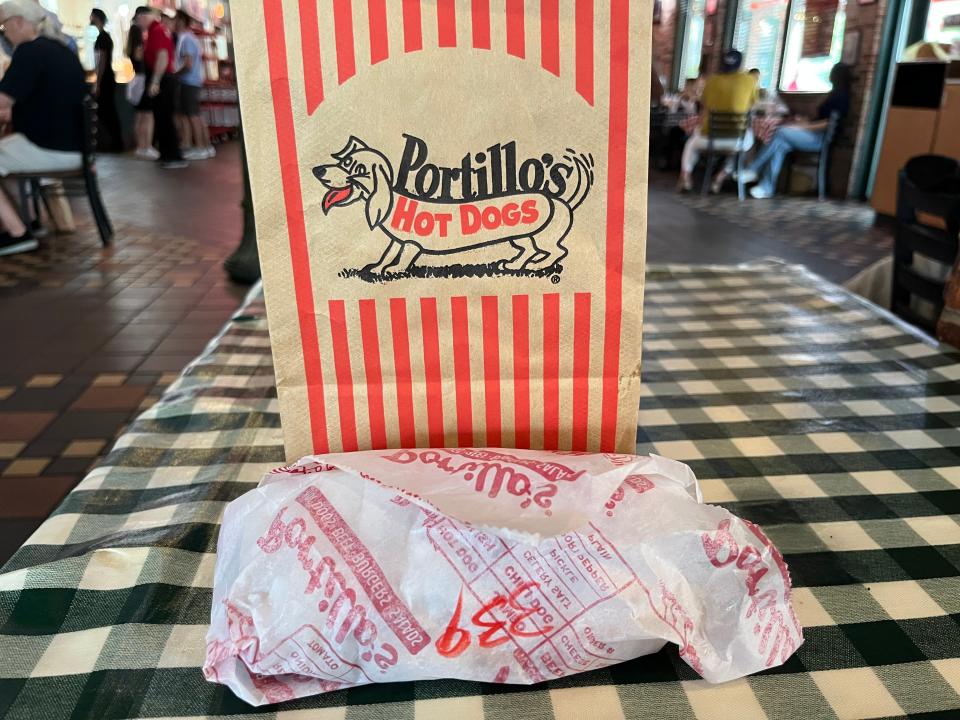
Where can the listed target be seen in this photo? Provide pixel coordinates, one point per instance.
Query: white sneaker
(748, 176)
(200, 154)
(147, 154)
(760, 193)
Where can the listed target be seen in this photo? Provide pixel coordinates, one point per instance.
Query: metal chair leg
(822, 180)
(741, 195)
(104, 227)
(24, 201)
(35, 195)
(708, 172)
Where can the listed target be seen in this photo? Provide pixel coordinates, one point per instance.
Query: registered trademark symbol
(555, 279)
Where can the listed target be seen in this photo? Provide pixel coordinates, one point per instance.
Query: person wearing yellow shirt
(729, 91)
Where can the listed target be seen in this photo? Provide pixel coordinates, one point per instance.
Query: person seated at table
(729, 91)
(41, 97)
(689, 101)
(804, 135)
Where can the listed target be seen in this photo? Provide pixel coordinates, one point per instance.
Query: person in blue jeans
(802, 136)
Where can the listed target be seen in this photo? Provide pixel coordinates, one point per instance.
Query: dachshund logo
(489, 199)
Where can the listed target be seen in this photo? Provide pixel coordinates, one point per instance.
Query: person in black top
(41, 99)
(802, 134)
(143, 117)
(109, 135)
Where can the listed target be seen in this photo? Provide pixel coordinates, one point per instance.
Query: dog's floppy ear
(353, 144)
(380, 200)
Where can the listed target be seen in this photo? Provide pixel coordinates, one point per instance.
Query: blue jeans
(785, 140)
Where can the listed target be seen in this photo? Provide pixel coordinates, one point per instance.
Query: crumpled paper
(509, 566)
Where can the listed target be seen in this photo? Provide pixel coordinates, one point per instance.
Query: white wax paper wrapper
(512, 566)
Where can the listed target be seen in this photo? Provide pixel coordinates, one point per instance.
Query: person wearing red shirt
(161, 84)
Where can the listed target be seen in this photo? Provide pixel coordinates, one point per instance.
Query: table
(799, 406)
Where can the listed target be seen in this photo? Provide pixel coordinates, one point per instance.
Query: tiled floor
(834, 239)
(90, 337)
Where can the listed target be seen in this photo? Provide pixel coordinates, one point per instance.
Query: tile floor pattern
(90, 337)
(834, 239)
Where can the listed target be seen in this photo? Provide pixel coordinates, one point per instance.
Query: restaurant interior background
(138, 394)
(794, 43)
(219, 103)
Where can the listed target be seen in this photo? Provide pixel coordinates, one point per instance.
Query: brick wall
(868, 19)
(663, 36)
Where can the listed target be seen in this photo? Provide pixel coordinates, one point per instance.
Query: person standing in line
(143, 117)
(161, 86)
(189, 70)
(109, 137)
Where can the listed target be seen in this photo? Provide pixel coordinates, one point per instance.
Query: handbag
(135, 89)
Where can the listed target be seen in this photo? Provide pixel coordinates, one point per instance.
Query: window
(814, 44)
(943, 22)
(692, 42)
(814, 41)
(759, 36)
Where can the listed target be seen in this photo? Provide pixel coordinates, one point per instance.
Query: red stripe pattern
(584, 49)
(492, 370)
(521, 370)
(516, 15)
(343, 25)
(296, 224)
(407, 428)
(481, 410)
(550, 36)
(432, 372)
(370, 337)
(446, 23)
(461, 370)
(551, 371)
(616, 187)
(515, 30)
(412, 29)
(340, 342)
(581, 370)
(310, 39)
(480, 17)
(511, 392)
(379, 39)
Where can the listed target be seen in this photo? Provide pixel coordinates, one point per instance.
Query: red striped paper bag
(450, 199)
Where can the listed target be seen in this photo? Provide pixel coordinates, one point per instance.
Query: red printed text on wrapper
(491, 472)
(777, 634)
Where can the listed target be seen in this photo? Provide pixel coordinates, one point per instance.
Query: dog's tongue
(336, 196)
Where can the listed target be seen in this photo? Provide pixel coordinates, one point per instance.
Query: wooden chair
(820, 159)
(928, 184)
(82, 181)
(726, 126)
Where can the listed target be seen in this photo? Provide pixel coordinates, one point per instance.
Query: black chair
(928, 184)
(820, 159)
(726, 126)
(659, 149)
(82, 181)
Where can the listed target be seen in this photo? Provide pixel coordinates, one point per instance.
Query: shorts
(146, 102)
(189, 100)
(20, 155)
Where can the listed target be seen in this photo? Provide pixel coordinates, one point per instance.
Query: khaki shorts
(19, 155)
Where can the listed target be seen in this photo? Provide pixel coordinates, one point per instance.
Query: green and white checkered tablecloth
(797, 406)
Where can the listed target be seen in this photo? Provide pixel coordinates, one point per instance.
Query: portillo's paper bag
(450, 199)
